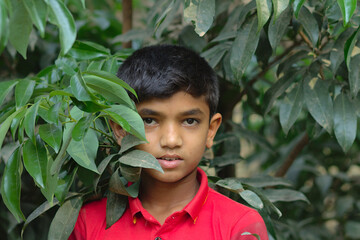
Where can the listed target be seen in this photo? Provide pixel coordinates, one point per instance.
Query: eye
(149, 121)
(190, 122)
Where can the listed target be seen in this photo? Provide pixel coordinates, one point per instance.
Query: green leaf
(115, 208)
(63, 19)
(285, 195)
(65, 218)
(137, 158)
(79, 88)
(16, 122)
(297, 6)
(111, 66)
(116, 112)
(265, 181)
(6, 124)
(279, 7)
(337, 51)
(348, 8)
(131, 174)
(20, 27)
(318, 102)
(36, 161)
(81, 127)
(37, 10)
(291, 107)
(95, 65)
(231, 184)
(84, 50)
(101, 168)
(201, 13)
(244, 47)
(166, 18)
(67, 65)
(23, 92)
(11, 185)
(252, 198)
(354, 75)
(5, 88)
(53, 113)
(278, 27)
(44, 207)
(51, 182)
(277, 89)
(118, 184)
(130, 141)
(64, 185)
(89, 106)
(345, 121)
(349, 47)
(29, 121)
(310, 25)
(263, 12)
(216, 53)
(52, 135)
(111, 78)
(84, 151)
(4, 28)
(352, 229)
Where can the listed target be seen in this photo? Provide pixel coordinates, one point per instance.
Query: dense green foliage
(289, 95)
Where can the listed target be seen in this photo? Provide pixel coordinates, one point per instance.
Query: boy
(178, 95)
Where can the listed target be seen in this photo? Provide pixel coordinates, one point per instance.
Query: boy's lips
(169, 161)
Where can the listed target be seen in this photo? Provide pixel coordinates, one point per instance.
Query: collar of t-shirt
(193, 208)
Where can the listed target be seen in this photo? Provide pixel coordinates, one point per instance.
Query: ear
(118, 131)
(215, 122)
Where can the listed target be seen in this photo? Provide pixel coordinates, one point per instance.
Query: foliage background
(289, 95)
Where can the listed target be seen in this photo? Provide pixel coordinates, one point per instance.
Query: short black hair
(160, 71)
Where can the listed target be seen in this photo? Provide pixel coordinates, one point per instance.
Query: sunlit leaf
(201, 13)
(23, 91)
(37, 10)
(263, 11)
(36, 161)
(251, 198)
(348, 8)
(52, 135)
(11, 185)
(279, 7)
(142, 159)
(297, 6)
(63, 19)
(65, 218)
(231, 184)
(345, 121)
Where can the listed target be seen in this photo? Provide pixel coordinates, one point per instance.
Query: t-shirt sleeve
(251, 223)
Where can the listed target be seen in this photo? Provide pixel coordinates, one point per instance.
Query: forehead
(178, 103)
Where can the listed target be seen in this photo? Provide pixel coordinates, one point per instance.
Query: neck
(161, 199)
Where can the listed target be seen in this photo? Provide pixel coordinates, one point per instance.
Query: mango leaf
(337, 51)
(85, 50)
(84, 151)
(67, 65)
(111, 66)
(166, 18)
(51, 183)
(263, 12)
(118, 184)
(37, 10)
(310, 25)
(244, 47)
(16, 122)
(20, 27)
(297, 6)
(6, 124)
(44, 207)
(81, 127)
(79, 88)
(345, 121)
(216, 53)
(279, 7)
(4, 28)
(231, 184)
(130, 141)
(53, 113)
(89, 106)
(278, 27)
(29, 121)
(201, 13)
(111, 78)
(348, 8)
(101, 168)
(5, 88)
(95, 65)
(62, 18)
(64, 184)
(130, 116)
(354, 75)
(349, 46)
(65, 218)
(318, 102)
(52, 135)
(115, 207)
(23, 92)
(252, 198)
(11, 185)
(131, 174)
(36, 161)
(265, 181)
(285, 195)
(291, 107)
(142, 159)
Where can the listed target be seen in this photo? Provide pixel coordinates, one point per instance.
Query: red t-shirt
(210, 215)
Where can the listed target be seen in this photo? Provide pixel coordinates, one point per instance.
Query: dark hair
(162, 70)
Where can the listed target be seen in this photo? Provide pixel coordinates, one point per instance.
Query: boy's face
(178, 130)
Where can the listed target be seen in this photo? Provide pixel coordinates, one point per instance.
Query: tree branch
(127, 20)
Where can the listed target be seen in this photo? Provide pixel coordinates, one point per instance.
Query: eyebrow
(148, 111)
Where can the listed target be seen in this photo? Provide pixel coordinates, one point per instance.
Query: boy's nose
(170, 137)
